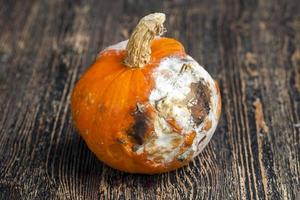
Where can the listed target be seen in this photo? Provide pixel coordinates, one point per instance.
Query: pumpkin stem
(138, 50)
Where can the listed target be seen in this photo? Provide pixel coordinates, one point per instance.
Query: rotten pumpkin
(145, 106)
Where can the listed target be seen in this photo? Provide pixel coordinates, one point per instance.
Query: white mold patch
(117, 47)
(172, 97)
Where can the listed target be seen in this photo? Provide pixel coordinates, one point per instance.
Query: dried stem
(138, 50)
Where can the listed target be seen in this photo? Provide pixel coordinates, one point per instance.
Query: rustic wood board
(252, 48)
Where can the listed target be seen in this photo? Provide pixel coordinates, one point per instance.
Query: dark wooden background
(252, 48)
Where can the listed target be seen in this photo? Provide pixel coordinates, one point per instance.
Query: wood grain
(252, 48)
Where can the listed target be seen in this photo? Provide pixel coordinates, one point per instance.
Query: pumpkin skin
(147, 120)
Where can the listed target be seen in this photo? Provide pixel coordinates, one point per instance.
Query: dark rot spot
(202, 94)
(140, 126)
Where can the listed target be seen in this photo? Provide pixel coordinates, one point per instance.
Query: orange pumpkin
(145, 106)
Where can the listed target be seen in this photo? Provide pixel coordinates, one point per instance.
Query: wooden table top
(252, 48)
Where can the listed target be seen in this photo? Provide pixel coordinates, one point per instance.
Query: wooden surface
(252, 48)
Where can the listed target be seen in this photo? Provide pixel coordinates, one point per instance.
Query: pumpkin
(145, 106)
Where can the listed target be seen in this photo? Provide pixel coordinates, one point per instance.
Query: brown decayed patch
(207, 125)
(188, 140)
(140, 126)
(200, 109)
(176, 142)
(175, 126)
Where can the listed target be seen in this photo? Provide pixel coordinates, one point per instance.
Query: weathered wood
(252, 48)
